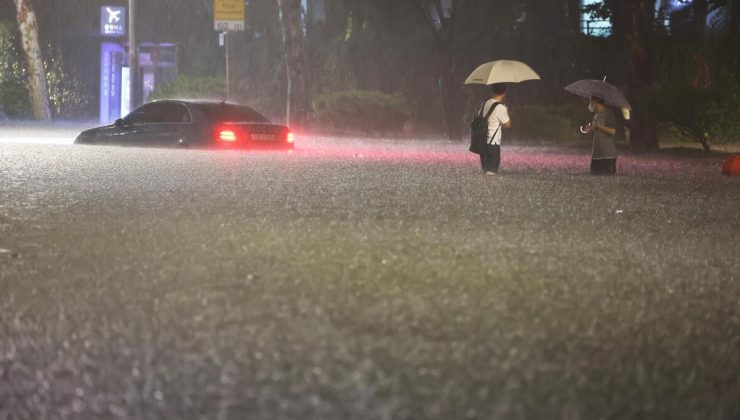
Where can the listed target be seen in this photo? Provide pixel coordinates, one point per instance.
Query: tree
(38, 90)
(633, 22)
(291, 18)
(441, 17)
(552, 55)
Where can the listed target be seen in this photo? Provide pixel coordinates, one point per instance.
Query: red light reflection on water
(514, 159)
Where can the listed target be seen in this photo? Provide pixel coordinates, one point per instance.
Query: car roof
(205, 106)
(196, 102)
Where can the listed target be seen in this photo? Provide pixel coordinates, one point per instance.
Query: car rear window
(232, 113)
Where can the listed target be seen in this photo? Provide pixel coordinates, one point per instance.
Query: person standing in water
(603, 128)
(497, 121)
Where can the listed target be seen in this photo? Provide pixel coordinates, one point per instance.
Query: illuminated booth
(157, 64)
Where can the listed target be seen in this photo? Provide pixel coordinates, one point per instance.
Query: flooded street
(365, 279)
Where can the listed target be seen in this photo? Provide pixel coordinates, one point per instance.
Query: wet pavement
(365, 279)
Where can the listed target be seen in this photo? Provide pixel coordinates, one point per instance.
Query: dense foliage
(69, 96)
(13, 92)
(541, 123)
(423, 52)
(369, 112)
(186, 87)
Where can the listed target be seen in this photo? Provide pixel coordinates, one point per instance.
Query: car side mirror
(119, 123)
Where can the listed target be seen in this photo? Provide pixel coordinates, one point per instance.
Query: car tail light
(227, 135)
(290, 138)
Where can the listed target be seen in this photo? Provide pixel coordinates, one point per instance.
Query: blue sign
(112, 21)
(112, 57)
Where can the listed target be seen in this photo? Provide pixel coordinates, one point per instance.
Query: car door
(123, 132)
(169, 125)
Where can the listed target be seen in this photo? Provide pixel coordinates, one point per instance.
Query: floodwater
(364, 279)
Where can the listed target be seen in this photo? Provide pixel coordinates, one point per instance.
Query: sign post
(112, 63)
(112, 21)
(228, 15)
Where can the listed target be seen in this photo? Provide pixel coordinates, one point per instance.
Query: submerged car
(202, 124)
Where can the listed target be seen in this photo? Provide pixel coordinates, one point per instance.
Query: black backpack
(479, 141)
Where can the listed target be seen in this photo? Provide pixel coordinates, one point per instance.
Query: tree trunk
(38, 90)
(638, 17)
(449, 85)
(732, 31)
(295, 61)
(702, 78)
(574, 15)
(450, 92)
(733, 26)
(700, 11)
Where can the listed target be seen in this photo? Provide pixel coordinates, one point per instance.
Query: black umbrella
(600, 89)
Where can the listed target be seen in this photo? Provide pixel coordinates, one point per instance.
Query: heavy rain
(271, 210)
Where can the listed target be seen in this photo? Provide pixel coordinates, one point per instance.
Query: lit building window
(591, 24)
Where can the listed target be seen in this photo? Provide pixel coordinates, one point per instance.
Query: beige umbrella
(501, 71)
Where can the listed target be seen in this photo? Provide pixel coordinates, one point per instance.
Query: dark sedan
(175, 123)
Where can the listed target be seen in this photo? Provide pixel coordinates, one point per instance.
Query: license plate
(263, 137)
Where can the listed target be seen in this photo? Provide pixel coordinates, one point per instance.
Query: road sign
(228, 15)
(112, 21)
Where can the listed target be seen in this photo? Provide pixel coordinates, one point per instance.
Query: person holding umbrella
(498, 119)
(493, 111)
(604, 152)
(602, 96)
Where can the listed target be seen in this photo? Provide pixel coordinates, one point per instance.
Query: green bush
(698, 92)
(547, 123)
(724, 123)
(723, 108)
(706, 116)
(361, 111)
(185, 86)
(68, 95)
(13, 93)
(14, 100)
